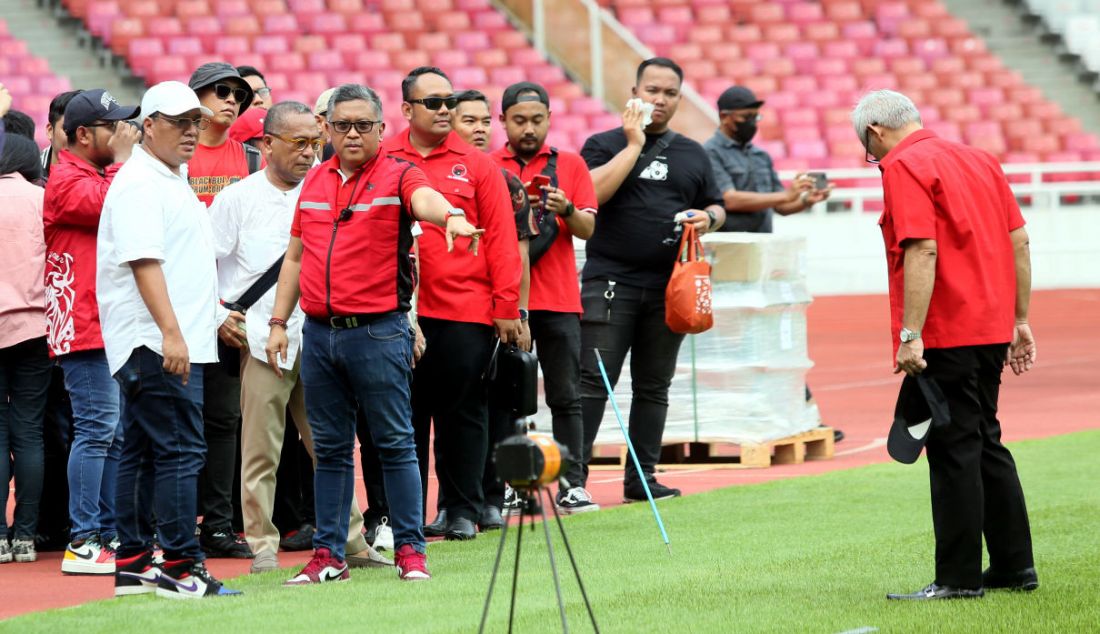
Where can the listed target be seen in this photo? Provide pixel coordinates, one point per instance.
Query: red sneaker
(321, 569)
(411, 565)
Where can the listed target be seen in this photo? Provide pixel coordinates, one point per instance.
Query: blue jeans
(24, 381)
(162, 455)
(369, 366)
(97, 443)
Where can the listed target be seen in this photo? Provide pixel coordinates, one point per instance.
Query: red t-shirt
(361, 264)
(958, 196)
(554, 283)
(459, 286)
(213, 168)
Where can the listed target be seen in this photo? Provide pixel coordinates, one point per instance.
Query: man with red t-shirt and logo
(462, 299)
(959, 268)
(99, 142)
(566, 208)
(349, 261)
(218, 162)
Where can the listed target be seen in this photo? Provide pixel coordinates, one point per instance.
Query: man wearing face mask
(751, 190)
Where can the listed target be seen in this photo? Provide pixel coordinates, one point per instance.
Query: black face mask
(745, 131)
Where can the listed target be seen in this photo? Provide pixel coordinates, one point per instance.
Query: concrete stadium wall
(846, 255)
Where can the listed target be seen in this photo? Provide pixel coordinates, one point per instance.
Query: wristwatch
(713, 218)
(909, 335)
(523, 314)
(452, 212)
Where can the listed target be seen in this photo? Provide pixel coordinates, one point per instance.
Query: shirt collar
(333, 165)
(66, 156)
(157, 165)
(453, 143)
(913, 138)
(509, 153)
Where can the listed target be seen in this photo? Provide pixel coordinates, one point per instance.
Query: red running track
(854, 387)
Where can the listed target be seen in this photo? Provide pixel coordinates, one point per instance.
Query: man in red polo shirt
(566, 209)
(349, 262)
(462, 299)
(960, 285)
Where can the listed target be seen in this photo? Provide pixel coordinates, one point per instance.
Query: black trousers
(975, 488)
(449, 389)
(293, 483)
(633, 321)
(57, 435)
(377, 507)
(221, 412)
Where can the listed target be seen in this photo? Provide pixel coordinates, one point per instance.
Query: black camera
(530, 461)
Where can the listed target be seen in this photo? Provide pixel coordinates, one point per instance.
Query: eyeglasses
(300, 144)
(222, 91)
(435, 103)
(110, 125)
(183, 123)
(362, 127)
(263, 92)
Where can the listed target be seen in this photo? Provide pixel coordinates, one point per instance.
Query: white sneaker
(5, 551)
(23, 550)
(512, 503)
(576, 500)
(383, 536)
(90, 557)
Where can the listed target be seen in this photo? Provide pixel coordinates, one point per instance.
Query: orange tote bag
(688, 296)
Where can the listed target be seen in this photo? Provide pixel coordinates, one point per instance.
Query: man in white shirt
(156, 285)
(251, 222)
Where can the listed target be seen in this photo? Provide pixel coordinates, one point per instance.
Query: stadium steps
(52, 35)
(1020, 47)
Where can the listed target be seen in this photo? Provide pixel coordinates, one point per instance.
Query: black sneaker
(512, 502)
(438, 527)
(189, 579)
(575, 500)
(224, 545)
(301, 539)
(634, 492)
(136, 575)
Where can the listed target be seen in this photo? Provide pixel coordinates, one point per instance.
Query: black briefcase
(514, 379)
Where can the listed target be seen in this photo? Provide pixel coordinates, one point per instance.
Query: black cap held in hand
(920, 409)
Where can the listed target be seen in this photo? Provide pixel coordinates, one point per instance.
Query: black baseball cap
(95, 105)
(920, 409)
(521, 92)
(738, 98)
(213, 72)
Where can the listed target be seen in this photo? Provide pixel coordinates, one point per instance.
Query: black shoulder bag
(644, 160)
(229, 357)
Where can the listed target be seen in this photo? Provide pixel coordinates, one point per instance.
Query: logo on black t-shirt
(655, 171)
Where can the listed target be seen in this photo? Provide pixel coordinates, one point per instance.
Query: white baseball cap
(172, 98)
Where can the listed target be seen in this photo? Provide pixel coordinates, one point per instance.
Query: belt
(345, 322)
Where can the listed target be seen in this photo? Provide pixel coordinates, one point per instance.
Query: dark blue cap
(96, 105)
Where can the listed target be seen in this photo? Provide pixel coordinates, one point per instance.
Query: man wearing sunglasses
(156, 284)
(251, 221)
(99, 141)
(218, 162)
(462, 299)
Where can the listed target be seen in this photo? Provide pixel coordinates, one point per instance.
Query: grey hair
(353, 92)
(886, 108)
(275, 118)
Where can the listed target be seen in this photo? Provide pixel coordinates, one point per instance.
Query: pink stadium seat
(366, 23)
(288, 62)
(469, 77)
(327, 23)
(675, 15)
(967, 80)
(964, 113)
(1062, 126)
(50, 84)
(968, 47)
(821, 31)
(767, 13)
(19, 85)
(918, 81)
(142, 52)
(452, 21)
(1080, 142)
(307, 44)
(101, 15)
(1004, 112)
(802, 84)
(783, 33)
(312, 83)
(736, 69)
(230, 46)
(306, 7)
(387, 42)
(230, 8)
(325, 60)
(1025, 95)
(471, 41)
(842, 12)
(167, 68)
(712, 14)
(269, 44)
(488, 58)
(185, 46)
(891, 49)
(368, 60)
(490, 21)
(707, 34)
(242, 25)
(268, 7)
(345, 7)
(1042, 110)
(930, 48)
(281, 24)
(805, 13)
(744, 34)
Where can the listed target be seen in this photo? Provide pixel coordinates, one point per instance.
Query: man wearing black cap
(751, 191)
(218, 162)
(648, 180)
(566, 208)
(99, 141)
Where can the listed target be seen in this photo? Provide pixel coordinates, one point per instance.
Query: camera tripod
(530, 504)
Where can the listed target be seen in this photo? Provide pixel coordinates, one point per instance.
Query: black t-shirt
(635, 240)
(521, 207)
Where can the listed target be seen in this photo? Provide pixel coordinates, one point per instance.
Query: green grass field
(813, 554)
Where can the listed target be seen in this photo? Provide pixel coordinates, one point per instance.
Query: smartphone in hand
(821, 181)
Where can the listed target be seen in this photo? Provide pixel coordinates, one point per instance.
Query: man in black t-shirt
(644, 178)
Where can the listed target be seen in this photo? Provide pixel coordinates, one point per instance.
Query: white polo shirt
(251, 221)
(151, 213)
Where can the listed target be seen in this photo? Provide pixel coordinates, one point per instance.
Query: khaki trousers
(264, 402)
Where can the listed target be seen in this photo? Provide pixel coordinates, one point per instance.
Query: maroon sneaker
(411, 565)
(321, 569)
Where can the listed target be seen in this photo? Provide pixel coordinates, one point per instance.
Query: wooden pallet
(816, 444)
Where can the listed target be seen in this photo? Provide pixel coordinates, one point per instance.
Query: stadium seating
(29, 80)
(305, 46)
(803, 56)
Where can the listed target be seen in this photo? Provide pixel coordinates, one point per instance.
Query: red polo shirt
(460, 286)
(958, 196)
(361, 264)
(554, 282)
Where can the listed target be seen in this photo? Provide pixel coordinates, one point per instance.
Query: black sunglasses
(222, 91)
(362, 127)
(435, 103)
(110, 125)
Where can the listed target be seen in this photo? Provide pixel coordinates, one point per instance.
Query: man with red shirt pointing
(349, 262)
(462, 299)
